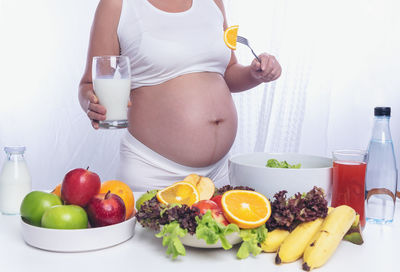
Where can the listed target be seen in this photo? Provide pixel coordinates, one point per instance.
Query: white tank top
(163, 45)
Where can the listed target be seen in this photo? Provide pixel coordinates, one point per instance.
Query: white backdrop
(340, 59)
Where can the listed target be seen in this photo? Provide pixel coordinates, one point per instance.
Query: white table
(144, 252)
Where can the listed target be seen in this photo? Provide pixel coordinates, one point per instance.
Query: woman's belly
(190, 119)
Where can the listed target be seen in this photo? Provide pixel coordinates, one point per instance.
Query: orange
(247, 209)
(179, 193)
(122, 190)
(230, 36)
(57, 190)
(205, 186)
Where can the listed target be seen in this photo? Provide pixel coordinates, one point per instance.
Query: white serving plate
(192, 241)
(79, 239)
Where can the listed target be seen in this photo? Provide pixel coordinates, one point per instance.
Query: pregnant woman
(181, 116)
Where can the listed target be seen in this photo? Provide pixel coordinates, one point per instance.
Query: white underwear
(144, 169)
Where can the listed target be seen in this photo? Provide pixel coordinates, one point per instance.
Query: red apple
(105, 209)
(216, 212)
(79, 186)
(217, 199)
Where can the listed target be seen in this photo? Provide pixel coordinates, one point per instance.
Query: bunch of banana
(324, 243)
(315, 241)
(292, 248)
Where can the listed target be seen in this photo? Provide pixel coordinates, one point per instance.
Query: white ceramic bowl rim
(78, 240)
(92, 229)
(235, 159)
(193, 241)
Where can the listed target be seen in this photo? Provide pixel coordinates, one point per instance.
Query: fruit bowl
(249, 169)
(63, 240)
(192, 241)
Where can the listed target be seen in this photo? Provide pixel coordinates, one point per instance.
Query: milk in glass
(15, 180)
(113, 94)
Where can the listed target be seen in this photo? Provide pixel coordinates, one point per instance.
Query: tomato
(216, 211)
(205, 205)
(217, 199)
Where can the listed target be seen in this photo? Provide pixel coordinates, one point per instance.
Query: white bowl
(77, 240)
(192, 241)
(249, 170)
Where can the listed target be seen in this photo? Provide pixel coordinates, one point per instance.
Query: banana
(327, 239)
(274, 240)
(293, 246)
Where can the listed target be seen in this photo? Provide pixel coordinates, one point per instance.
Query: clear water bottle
(381, 176)
(15, 181)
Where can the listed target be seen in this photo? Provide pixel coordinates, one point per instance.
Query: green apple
(65, 217)
(145, 197)
(35, 204)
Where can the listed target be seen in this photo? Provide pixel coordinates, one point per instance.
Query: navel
(217, 121)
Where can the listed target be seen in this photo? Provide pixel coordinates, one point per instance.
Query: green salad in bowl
(274, 163)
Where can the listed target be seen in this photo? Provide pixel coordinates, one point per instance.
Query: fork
(244, 41)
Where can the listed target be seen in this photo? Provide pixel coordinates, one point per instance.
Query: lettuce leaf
(288, 213)
(273, 163)
(251, 238)
(170, 234)
(211, 231)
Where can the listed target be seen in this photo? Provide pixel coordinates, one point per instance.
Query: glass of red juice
(348, 186)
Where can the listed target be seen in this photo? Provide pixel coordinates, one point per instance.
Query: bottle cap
(382, 111)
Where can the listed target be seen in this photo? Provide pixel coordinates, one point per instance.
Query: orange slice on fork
(230, 36)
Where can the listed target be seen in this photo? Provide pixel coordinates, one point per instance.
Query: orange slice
(205, 186)
(179, 193)
(123, 191)
(247, 209)
(230, 36)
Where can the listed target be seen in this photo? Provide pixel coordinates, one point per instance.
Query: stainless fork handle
(244, 41)
(255, 55)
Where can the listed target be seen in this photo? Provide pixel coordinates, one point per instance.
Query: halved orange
(122, 190)
(205, 186)
(179, 193)
(230, 36)
(247, 209)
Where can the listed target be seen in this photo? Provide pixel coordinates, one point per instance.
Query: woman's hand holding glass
(95, 111)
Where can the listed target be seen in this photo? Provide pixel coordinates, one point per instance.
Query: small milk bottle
(15, 181)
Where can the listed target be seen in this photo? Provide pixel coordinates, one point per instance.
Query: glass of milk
(112, 84)
(15, 181)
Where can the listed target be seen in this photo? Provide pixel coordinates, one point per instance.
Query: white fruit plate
(192, 241)
(77, 240)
